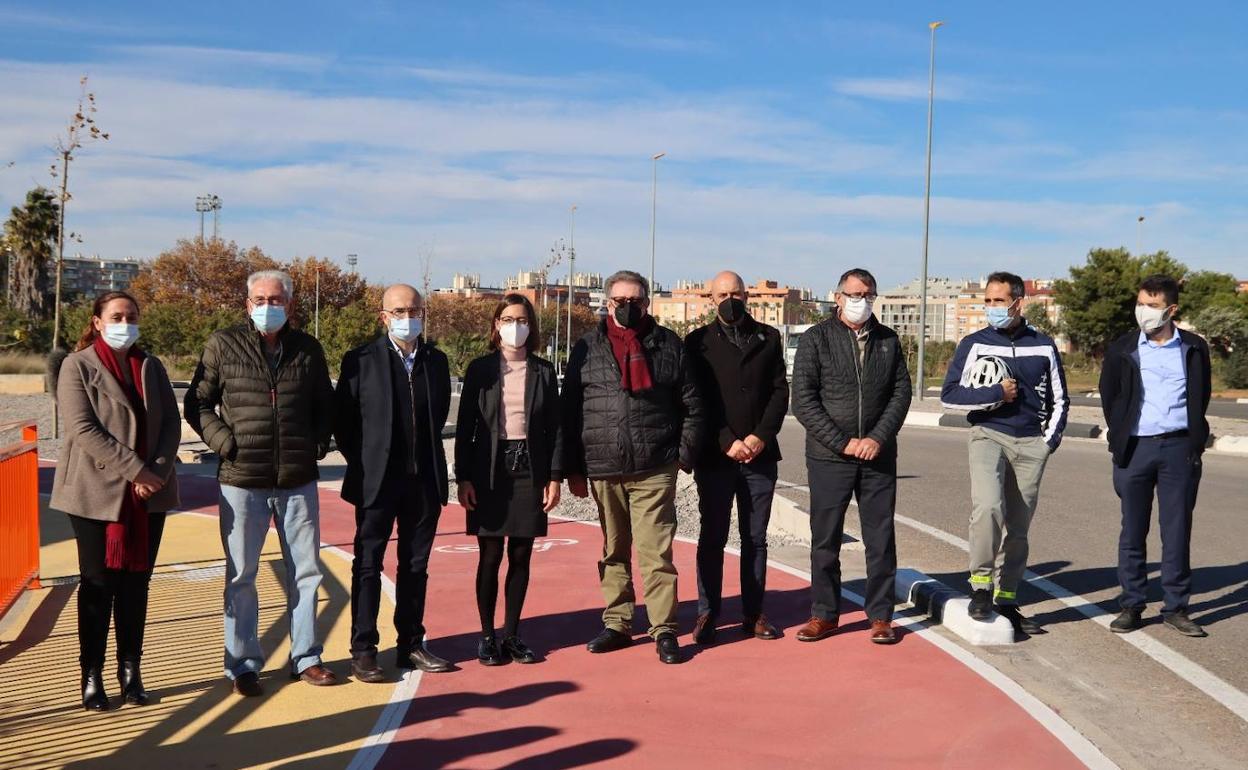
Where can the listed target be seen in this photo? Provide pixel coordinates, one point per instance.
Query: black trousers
(832, 484)
(105, 593)
(752, 486)
(1163, 465)
(412, 501)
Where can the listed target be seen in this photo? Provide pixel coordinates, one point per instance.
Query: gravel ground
(37, 407)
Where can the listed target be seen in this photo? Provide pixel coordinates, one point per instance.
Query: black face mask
(732, 310)
(628, 315)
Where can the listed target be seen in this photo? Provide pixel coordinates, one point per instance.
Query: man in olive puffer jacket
(262, 400)
(632, 418)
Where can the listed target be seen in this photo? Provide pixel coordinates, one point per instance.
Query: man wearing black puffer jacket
(262, 400)
(851, 391)
(632, 418)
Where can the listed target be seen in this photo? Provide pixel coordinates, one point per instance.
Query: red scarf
(630, 355)
(125, 540)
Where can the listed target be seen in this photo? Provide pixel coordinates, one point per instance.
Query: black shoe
(131, 683)
(248, 685)
(1022, 624)
(667, 647)
(427, 662)
(93, 695)
(518, 650)
(981, 605)
(488, 653)
(365, 669)
(1180, 622)
(609, 641)
(1128, 620)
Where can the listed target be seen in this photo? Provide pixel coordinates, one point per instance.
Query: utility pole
(654, 208)
(317, 313)
(571, 277)
(921, 382)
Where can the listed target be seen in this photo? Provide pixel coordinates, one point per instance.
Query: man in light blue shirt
(1155, 390)
(1163, 408)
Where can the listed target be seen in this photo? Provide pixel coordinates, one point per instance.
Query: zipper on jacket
(858, 366)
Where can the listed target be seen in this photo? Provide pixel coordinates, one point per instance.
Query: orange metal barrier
(19, 513)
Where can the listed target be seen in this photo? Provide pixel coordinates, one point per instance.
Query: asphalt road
(1095, 679)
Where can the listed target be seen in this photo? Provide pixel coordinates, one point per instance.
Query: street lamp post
(921, 383)
(571, 276)
(654, 202)
(352, 261)
(1139, 237)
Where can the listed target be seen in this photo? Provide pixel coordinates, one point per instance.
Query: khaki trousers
(1005, 486)
(638, 509)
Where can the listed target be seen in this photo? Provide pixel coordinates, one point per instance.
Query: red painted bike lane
(841, 702)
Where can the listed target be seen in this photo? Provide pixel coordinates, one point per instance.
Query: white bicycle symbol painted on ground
(539, 545)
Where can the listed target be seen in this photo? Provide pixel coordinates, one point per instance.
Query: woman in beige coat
(116, 480)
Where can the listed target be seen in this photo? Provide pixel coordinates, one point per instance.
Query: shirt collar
(405, 356)
(1173, 341)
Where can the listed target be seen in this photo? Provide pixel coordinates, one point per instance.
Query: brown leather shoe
(816, 629)
(882, 632)
(704, 630)
(365, 669)
(317, 675)
(760, 628)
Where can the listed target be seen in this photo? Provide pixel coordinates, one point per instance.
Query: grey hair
(281, 276)
(626, 276)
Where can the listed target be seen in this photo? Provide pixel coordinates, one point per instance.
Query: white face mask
(855, 311)
(1151, 319)
(513, 334)
(120, 336)
(406, 329)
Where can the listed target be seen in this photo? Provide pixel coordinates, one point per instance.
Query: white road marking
(1233, 699)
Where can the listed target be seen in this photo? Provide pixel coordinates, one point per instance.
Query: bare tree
(81, 131)
(426, 280)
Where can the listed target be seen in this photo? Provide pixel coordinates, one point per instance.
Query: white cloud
(488, 176)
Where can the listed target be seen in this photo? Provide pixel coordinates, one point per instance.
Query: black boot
(93, 696)
(131, 683)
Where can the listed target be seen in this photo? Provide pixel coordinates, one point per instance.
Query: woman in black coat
(508, 466)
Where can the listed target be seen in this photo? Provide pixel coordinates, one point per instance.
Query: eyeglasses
(870, 296)
(509, 321)
(274, 300)
(999, 302)
(405, 312)
(620, 301)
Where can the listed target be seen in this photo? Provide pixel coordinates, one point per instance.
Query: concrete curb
(949, 608)
(1232, 445)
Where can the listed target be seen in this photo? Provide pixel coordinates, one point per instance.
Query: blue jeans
(244, 517)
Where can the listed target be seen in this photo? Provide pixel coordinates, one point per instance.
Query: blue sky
(795, 134)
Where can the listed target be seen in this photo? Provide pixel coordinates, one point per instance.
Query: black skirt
(513, 508)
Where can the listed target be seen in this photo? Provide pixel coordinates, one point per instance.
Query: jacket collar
(107, 383)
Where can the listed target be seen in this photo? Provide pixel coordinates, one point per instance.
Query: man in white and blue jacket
(1015, 426)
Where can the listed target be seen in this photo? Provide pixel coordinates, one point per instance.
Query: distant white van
(792, 333)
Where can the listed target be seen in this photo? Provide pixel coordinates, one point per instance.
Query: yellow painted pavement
(194, 720)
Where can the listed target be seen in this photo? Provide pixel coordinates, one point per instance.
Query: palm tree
(31, 233)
